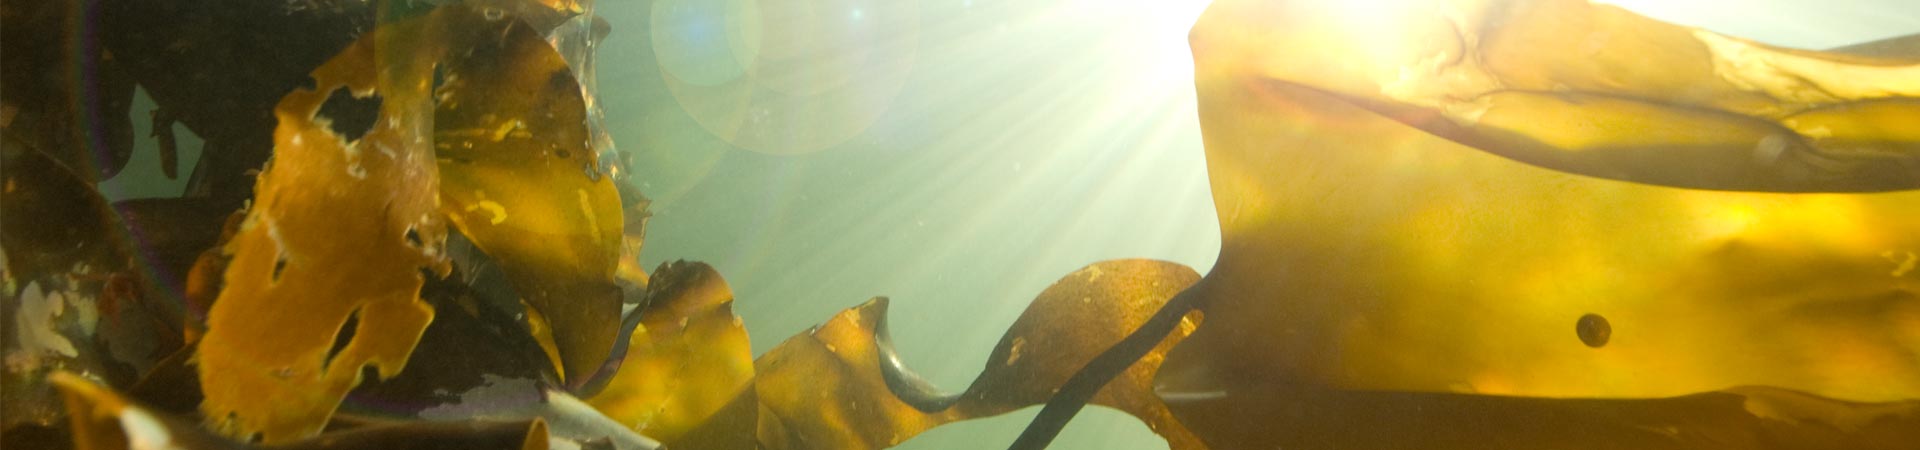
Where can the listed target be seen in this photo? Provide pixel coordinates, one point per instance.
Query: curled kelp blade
(344, 225)
(522, 179)
(831, 387)
(1363, 251)
(1070, 323)
(1594, 89)
(686, 375)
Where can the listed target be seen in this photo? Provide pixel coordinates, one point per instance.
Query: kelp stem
(1074, 394)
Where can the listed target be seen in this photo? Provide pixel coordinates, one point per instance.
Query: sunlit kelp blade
(687, 376)
(521, 178)
(1075, 319)
(340, 231)
(1595, 90)
(828, 388)
(1365, 247)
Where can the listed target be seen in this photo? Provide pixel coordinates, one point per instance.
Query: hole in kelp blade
(348, 115)
(341, 338)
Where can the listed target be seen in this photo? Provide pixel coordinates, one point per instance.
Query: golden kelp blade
(1362, 252)
(1595, 90)
(1075, 319)
(686, 364)
(826, 389)
(519, 178)
(339, 232)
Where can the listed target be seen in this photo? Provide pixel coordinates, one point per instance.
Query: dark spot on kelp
(1593, 330)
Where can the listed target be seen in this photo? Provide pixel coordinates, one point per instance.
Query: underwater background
(957, 156)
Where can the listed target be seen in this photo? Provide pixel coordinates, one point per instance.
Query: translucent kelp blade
(1361, 252)
(828, 388)
(1593, 89)
(1072, 321)
(688, 373)
(521, 179)
(340, 232)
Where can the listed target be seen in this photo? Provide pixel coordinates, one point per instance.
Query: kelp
(101, 419)
(1307, 416)
(1680, 240)
(521, 179)
(308, 261)
(1414, 236)
(1596, 90)
(689, 380)
(323, 282)
(869, 403)
(685, 364)
(1383, 267)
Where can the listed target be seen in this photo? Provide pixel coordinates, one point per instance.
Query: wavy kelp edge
(384, 194)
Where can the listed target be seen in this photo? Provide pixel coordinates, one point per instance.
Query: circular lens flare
(785, 77)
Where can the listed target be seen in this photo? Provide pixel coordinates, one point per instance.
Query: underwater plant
(1687, 240)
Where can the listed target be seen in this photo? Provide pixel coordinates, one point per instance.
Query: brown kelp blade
(1362, 252)
(520, 178)
(344, 225)
(687, 376)
(1389, 224)
(1593, 89)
